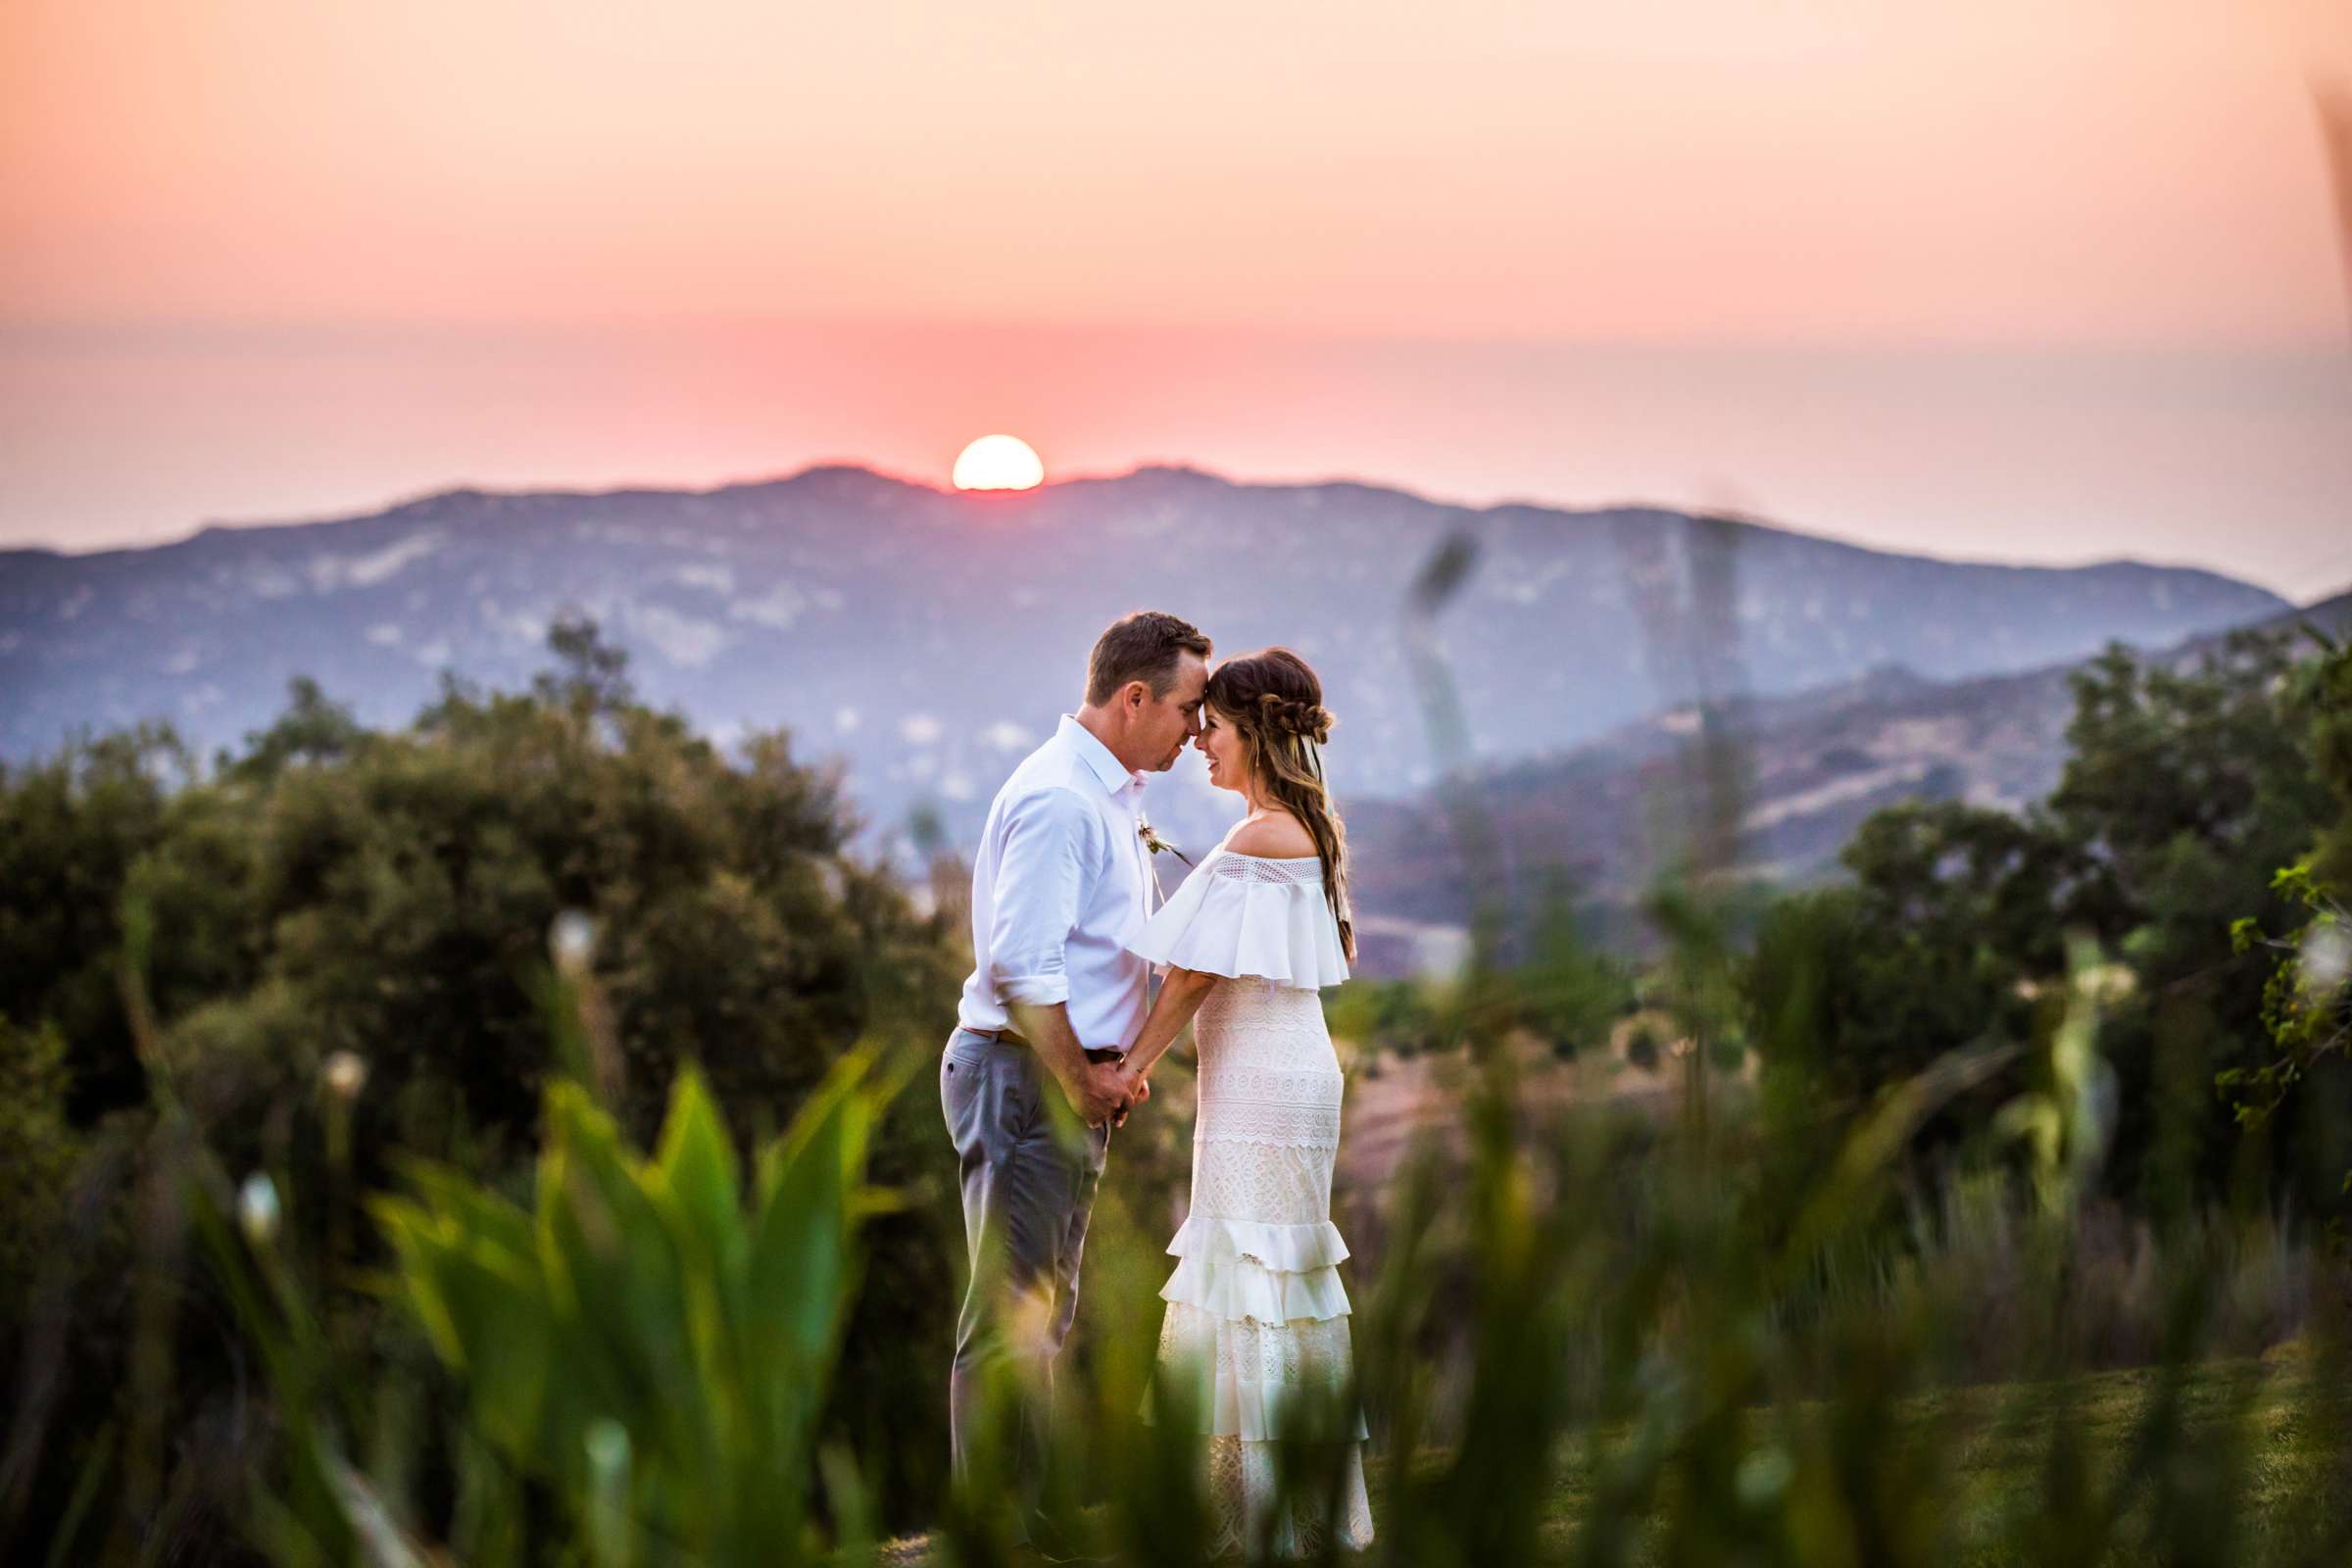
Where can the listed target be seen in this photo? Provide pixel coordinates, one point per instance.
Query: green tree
(71, 829)
(591, 675)
(1952, 921)
(2185, 784)
(1570, 991)
(2321, 694)
(41, 1153)
(2307, 1001)
(2191, 784)
(390, 897)
(313, 730)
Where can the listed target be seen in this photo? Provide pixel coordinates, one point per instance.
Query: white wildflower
(2327, 956)
(572, 941)
(258, 1209)
(346, 1074)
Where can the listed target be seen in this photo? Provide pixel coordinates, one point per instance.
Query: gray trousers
(1027, 1193)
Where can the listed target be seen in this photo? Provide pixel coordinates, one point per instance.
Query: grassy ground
(1997, 1441)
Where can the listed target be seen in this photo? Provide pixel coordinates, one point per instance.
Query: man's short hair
(1146, 646)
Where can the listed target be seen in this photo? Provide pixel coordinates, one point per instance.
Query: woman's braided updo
(1274, 703)
(1290, 715)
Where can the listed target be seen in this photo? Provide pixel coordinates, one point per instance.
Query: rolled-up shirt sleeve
(1040, 887)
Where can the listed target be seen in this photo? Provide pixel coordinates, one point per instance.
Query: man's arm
(1093, 1089)
(1041, 877)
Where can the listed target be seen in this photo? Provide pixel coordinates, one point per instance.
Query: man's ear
(1137, 693)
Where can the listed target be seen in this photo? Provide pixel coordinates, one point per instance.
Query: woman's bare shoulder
(1274, 836)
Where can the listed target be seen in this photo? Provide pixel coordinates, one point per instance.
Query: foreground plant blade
(644, 1333)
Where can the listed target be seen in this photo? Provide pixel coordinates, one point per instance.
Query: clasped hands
(1107, 1093)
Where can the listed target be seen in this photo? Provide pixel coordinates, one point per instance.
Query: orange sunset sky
(2028, 280)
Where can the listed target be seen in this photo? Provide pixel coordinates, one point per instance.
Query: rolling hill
(928, 638)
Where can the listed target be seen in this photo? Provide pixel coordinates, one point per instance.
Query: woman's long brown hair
(1275, 705)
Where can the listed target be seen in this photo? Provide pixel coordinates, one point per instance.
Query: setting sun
(998, 462)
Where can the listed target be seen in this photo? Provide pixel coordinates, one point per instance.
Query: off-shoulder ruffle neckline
(1271, 860)
(1249, 915)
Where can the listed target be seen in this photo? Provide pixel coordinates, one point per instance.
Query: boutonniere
(1154, 843)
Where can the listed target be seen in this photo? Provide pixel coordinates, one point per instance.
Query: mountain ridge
(927, 636)
(1820, 762)
(827, 470)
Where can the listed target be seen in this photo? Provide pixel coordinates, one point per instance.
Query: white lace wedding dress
(1256, 1317)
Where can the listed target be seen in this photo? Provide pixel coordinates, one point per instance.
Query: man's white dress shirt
(1058, 885)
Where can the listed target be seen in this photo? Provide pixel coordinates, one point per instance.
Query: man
(1053, 1003)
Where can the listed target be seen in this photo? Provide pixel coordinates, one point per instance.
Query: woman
(1257, 1313)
